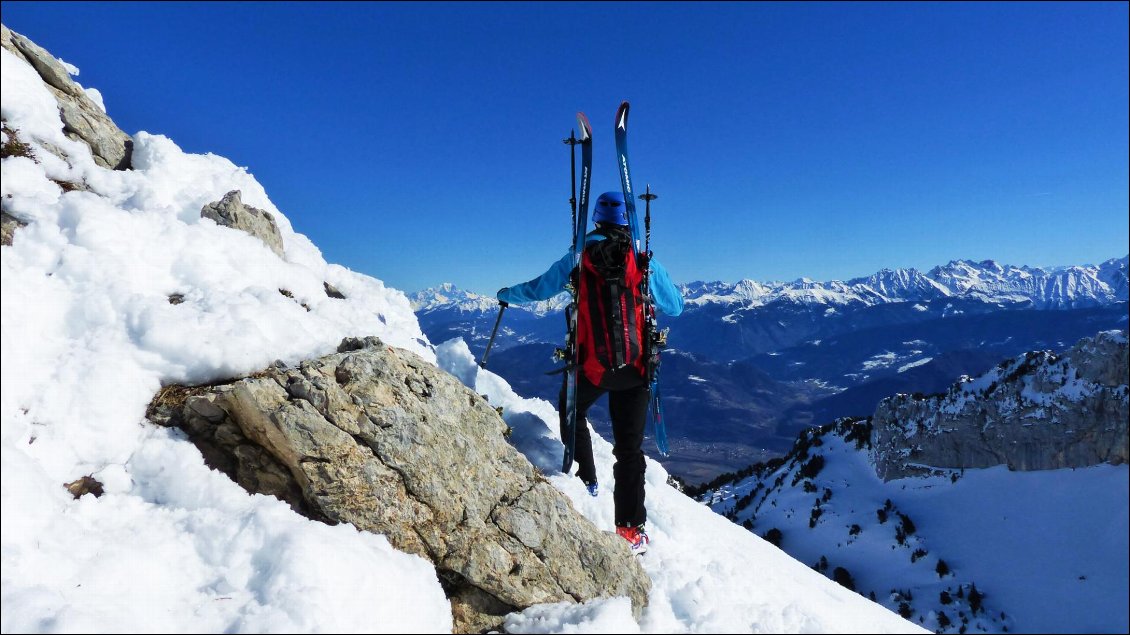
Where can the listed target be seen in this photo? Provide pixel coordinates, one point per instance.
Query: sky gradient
(421, 142)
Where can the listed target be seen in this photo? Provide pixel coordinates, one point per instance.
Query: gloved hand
(499, 296)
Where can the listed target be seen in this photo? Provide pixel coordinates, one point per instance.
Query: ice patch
(882, 360)
(906, 367)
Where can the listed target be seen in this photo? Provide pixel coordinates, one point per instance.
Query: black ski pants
(628, 397)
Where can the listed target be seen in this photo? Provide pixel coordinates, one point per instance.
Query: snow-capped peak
(447, 295)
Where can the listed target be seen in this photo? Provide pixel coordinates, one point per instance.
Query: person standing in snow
(625, 379)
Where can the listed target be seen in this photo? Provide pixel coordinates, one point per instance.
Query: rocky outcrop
(8, 226)
(231, 212)
(83, 119)
(1103, 360)
(1036, 412)
(379, 438)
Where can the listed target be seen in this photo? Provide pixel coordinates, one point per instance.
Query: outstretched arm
(543, 287)
(664, 292)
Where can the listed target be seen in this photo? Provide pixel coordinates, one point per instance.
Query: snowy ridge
(1062, 287)
(116, 286)
(867, 543)
(745, 292)
(908, 285)
(962, 551)
(1042, 379)
(448, 297)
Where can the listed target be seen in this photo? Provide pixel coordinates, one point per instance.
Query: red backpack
(611, 308)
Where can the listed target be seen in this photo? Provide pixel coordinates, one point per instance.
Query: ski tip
(586, 129)
(622, 116)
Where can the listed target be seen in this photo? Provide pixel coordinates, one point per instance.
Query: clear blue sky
(421, 143)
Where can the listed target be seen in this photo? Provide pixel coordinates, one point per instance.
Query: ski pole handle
(648, 197)
(502, 307)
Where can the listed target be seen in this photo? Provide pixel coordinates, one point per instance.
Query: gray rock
(82, 119)
(1036, 412)
(332, 291)
(231, 212)
(8, 226)
(377, 437)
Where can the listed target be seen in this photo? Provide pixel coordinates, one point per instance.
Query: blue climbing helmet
(610, 208)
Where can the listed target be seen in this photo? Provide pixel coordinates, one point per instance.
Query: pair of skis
(580, 229)
(652, 335)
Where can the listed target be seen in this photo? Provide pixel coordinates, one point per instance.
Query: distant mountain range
(987, 281)
(791, 355)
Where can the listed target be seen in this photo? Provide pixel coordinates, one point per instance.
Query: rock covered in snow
(380, 438)
(83, 118)
(231, 212)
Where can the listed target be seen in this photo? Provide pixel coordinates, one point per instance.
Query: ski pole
(652, 325)
(656, 338)
(501, 307)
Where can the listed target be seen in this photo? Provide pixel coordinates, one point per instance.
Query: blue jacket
(667, 297)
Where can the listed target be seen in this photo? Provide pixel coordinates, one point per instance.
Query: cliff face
(377, 437)
(1038, 411)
